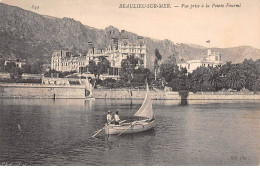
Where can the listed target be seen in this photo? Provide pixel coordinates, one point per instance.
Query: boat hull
(139, 126)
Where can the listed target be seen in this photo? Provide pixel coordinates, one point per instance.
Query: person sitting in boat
(109, 117)
(117, 119)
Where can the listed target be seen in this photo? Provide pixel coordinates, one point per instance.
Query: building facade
(18, 62)
(115, 52)
(210, 60)
(65, 61)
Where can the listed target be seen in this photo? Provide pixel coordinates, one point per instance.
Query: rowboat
(148, 121)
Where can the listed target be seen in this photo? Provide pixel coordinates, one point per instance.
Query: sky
(223, 26)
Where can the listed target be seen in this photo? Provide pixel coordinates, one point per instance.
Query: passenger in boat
(109, 117)
(117, 119)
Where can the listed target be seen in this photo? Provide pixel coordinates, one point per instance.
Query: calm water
(47, 132)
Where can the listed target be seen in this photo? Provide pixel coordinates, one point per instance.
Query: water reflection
(59, 133)
(184, 102)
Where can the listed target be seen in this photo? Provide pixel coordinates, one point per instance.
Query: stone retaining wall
(41, 91)
(128, 94)
(223, 96)
(60, 91)
(161, 95)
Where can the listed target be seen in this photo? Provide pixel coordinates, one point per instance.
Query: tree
(157, 58)
(172, 59)
(92, 67)
(197, 78)
(51, 72)
(181, 82)
(213, 78)
(248, 67)
(256, 86)
(27, 68)
(141, 76)
(102, 66)
(9, 65)
(2, 63)
(224, 69)
(99, 68)
(236, 79)
(128, 66)
(16, 73)
(109, 82)
(168, 71)
(37, 68)
(183, 71)
(257, 65)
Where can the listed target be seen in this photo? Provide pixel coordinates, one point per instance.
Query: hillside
(33, 37)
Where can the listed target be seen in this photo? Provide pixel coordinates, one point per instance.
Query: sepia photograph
(129, 83)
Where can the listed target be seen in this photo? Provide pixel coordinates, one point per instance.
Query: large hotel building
(116, 51)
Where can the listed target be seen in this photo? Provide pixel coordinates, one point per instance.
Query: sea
(45, 132)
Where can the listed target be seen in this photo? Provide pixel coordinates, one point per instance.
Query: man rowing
(117, 119)
(109, 117)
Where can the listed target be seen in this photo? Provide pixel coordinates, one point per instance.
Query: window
(216, 58)
(111, 71)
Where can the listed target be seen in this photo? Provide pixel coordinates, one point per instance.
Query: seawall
(223, 96)
(15, 90)
(161, 95)
(41, 91)
(127, 94)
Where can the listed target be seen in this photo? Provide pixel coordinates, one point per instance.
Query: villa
(211, 59)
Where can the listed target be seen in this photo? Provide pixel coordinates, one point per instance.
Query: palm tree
(236, 79)
(224, 69)
(213, 78)
(250, 72)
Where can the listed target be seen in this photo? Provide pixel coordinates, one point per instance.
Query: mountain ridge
(33, 37)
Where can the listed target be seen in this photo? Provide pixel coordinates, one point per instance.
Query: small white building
(4, 75)
(18, 62)
(31, 76)
(211, 60)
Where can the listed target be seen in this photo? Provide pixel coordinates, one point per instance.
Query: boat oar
(98, 131)
(127, 128)
(122, 121)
